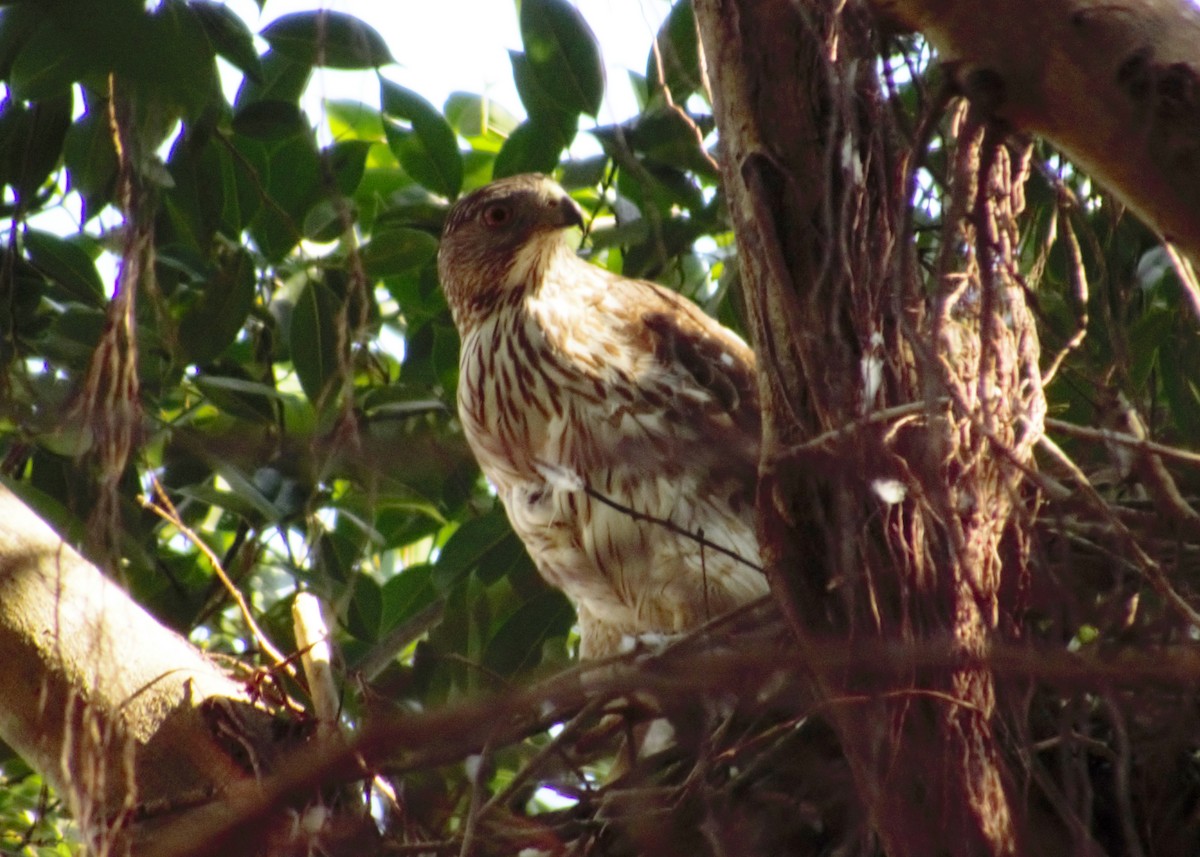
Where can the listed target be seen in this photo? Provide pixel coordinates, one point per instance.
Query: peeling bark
(1116, 86)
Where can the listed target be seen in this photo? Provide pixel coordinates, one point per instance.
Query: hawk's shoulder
(690, 346)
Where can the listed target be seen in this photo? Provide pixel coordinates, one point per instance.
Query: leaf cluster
(296, 363)
(295, 360)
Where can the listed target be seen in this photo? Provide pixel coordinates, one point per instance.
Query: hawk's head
(497, 237)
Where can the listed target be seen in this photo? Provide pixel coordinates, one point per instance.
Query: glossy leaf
(45, 66)
(353, 119)
(91, 159)
(180, 69)
(674, 61)
(286, 180)
(563, 54)
(407, 593)
(396, 250)
(17, 23)
(664, 136)
(517, 643)
(31, 141)
(364, 617)
(329, 219)
(210, 326)
(283, 78)
(330, 39)
(268, 119)
(230, 36)
(427, 148)
(67, 264)
(539, 103)
(534, 147)
(314, 340)
(239, 396)
(346, 162)
(204, 196)
(469, 547)
(478, 116)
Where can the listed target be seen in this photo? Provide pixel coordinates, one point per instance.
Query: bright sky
(446, 45)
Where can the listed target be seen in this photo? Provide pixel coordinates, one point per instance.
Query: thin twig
(1079, 278)
(440, 737)
(670, 526)
(477, 779)
(1121, 776)
(166, 510)
(1138, 444)
(885, 415)
(1149, 567)
(551, 749)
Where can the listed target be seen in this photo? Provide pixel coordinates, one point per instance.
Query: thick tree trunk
(897, 415)
(1116, 86)
(118, 713)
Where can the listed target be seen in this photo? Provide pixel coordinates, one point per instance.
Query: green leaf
(346, 161)
(1181, 381)
(428, 148)
(290, 173)
(31, 140)
(17, 23)
(45, 66)
(396, 250)
(664, 136)
(239, 397)
(20, 319)
(407, 593)
(478, 116)
(328, 219)
(365, 613)
(204, 197)
(534, 147)
(676, 63)
(179, 68)
(469, 546)
(539, 104)
(72, 336)
(517, 643)
(353, 119)
(90, 159)
(212, 324)
(329, 39)
(313, 339)
(244, 497)
(284, 78)
(49, 509)
(67, 264)
(507, 558)
(229, 35)
(563, 54)
(268, 119)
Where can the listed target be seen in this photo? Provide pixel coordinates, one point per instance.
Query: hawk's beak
(568, 212)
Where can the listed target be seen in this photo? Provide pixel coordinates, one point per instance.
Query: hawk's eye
(497, 214)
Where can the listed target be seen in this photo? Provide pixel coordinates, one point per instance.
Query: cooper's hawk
(586, 397)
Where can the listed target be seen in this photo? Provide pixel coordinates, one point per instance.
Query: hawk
(618, 423)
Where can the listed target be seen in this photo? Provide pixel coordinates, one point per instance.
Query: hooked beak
(568, 212)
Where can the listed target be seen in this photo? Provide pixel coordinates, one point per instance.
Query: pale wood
(96, 694)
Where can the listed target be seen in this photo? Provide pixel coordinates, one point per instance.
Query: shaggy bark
(897, 415)
(1116, 86)
(99, 697)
